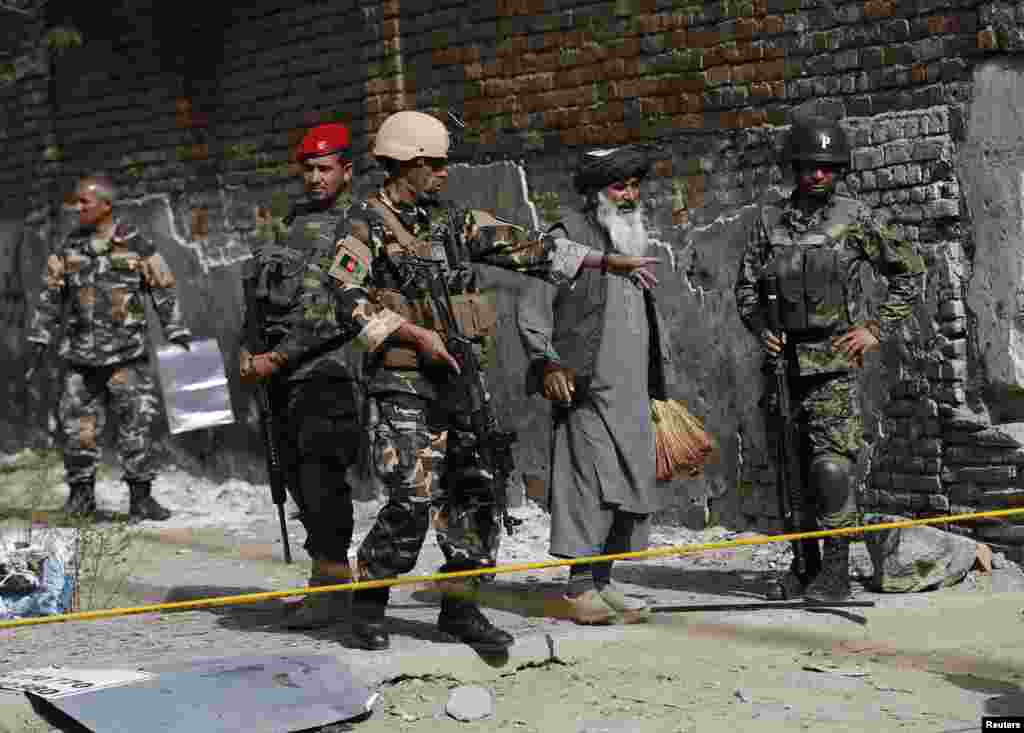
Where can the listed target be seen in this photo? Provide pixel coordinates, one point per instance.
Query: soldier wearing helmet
(313, 387)
(816, 246)
(376, 292)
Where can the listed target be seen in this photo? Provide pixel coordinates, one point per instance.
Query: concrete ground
(934, 661)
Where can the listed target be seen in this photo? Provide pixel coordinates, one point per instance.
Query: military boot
(323, 609)
(143, 505)
(833, 582)
(82, 499)
(464, 620)
(368, 611)
(791, 584)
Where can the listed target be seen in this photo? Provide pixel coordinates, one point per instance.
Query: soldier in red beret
(313, 389)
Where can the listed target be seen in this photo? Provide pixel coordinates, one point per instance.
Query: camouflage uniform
(97, 286)
(316, 400)
(414, 416)
(819, 259)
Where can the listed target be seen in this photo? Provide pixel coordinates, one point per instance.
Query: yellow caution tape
(497, 570)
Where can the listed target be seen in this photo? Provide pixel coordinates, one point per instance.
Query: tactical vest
(474, 312)
(811, 268)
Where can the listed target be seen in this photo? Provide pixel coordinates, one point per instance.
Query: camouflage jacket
(371, 260)
(293, 252)
(830, 248)
(98, 285)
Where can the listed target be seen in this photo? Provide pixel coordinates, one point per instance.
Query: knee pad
(830, 476)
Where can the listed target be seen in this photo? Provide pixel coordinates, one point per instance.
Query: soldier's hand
(855, 343)
(638, 269)
(262, 366)
(773, 343)
(429, 344)
(559, 383)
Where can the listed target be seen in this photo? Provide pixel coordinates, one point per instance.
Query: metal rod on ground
(501, 569)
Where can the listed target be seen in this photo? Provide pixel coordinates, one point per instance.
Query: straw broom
(683, 446)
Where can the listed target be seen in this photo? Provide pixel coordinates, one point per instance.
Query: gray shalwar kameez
(604, 462)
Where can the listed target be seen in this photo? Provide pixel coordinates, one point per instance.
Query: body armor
(812, 270)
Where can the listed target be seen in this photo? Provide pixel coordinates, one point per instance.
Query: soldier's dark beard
(626, 228)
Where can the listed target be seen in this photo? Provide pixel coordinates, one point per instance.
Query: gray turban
(600, 168)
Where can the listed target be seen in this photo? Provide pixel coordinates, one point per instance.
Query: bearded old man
(598, 351)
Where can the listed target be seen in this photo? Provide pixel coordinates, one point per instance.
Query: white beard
(627, 231)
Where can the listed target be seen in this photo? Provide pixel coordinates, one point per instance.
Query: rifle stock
(790, 483)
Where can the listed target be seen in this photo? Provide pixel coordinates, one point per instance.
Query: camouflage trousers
(827, 408)
(414, 445)
(321, 442)
(88, 393)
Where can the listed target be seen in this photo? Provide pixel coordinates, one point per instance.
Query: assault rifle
(271, 436)
(790, 483)
(493, 444)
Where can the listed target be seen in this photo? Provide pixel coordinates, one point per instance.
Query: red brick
(773, 52)
(761, 90)
(688, 122)
(614, 69)
(696, 183)
(729, 120)
(703, 39)
(747, 27)
(520, 121)
(514, 45)
(390, 8)
(919, 73)
(628, 47)
(677, 39)
(473, 71)
(694, 102)
(987, 39)
(879, 8)
(662, 168)
(389, 28)
(492, 69)
(772, 24)
(648, 23)
(753, 118)
(771, 70)
(652, 106)
(779, 89)
(719, 75)
(760, 7)
(744, 73)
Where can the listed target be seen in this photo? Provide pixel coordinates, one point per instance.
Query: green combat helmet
(818, 140)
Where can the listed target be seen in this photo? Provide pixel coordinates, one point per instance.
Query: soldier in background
(314, 390)
(816, 245)
(97, 283)
(377, 285)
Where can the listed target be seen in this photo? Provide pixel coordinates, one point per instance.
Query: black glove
(35, 360)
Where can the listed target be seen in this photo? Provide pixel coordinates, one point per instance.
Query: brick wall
(198, 111)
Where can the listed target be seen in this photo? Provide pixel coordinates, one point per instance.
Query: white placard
(195, 388)
(56, 682)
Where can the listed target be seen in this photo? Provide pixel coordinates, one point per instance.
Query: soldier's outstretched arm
(492, 241)
(898, 261)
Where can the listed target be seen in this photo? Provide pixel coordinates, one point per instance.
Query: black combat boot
(791, 585)
(323, 609)
(833, 583)
(82, 499)
(368, 610)
(143, 505)
(464, 620)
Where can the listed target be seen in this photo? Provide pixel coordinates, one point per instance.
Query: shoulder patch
(352, 261)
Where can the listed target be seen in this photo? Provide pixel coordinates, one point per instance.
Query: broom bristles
(684, 447)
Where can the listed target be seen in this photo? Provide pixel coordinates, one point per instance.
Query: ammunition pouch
(474, 312)
(279, 275)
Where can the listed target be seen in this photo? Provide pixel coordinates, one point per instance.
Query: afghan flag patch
(352, 261)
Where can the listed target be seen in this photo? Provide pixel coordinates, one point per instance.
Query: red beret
(323, 140)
